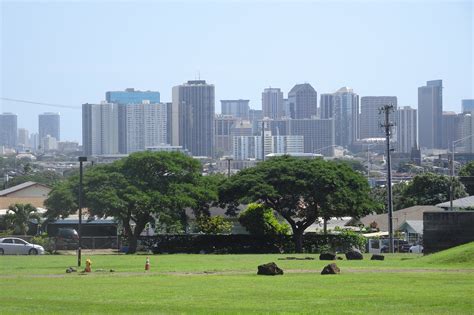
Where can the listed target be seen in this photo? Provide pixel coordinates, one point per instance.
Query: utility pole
(451, 192)
(79, 227)
(263, 140)
(387, 125)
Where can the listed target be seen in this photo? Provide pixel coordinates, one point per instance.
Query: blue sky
(71, 52)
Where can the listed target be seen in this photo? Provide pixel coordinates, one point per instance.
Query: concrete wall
(443, 230)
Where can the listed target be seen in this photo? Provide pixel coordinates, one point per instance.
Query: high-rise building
(49, 143)
(255, 118)
(23, 138)
(327, 106)
(34, 141)
(132, 96)
(49, 124)
(467, 105)
(272, 103)
(100, 129)
(245, 147)
(466, 132)
(8, 130)
(169, 127)
(193, 117)
(237, 108)
(451, 129)
(318, 134)
(222, 134)
(302, 102)
(371, 117)
(145, 125)
(406, 129)
(346, 116)
(430, 111)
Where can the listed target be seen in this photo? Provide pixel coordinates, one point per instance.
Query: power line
(38, 103)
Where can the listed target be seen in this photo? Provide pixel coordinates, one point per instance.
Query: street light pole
(386, 109)
(79, 248)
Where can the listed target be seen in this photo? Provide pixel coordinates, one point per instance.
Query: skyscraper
(49, 124)
(272, 103)
(193, 117)
(318, 134)
(430, 111)
(145, 125)
(406, 129)
(467, 105)
(465, 131)
(371, 117)
(23, 137)
(302, 101)
(327, 106)
(451, 129)
(237, 108)
(100, 128)
(346, 116)
(8, 130)
(222, 134)
(132, 96)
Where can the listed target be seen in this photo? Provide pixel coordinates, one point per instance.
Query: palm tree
(19, 215)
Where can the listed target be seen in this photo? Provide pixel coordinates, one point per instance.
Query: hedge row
(249, 244)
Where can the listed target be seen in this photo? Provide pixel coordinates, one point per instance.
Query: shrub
(213, 225)
(260, 220)
(45, 241)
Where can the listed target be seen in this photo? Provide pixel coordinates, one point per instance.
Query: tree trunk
(133, 238)
(132, 244)
(325, 225)
(298, 239)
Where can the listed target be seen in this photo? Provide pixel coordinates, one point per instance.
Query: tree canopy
(300, 190)
(429, 189)
(467, 177)
(19, 216)
(142, 188)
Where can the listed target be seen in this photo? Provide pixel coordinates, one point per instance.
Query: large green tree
(466, 174)
(19, 216)
(137, 190)
(300, 190)
(429, 189)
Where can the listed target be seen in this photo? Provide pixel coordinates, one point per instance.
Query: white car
(17, 246)
(416, 249)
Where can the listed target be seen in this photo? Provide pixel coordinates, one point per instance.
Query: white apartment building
(146, 125)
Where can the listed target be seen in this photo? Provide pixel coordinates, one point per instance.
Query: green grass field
(442, 283)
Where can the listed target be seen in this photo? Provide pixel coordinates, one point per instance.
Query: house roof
(399, 217)
(19, 187)
(466, 202)
(215, 211)
(413, 226)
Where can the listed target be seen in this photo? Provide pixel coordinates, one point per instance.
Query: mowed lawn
(402, 284)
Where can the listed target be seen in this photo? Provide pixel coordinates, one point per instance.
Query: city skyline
(43, 62)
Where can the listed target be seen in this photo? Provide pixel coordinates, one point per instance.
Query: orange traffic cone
(147, 264)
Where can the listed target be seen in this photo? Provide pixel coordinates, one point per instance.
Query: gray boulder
(327, 256)
(331, 269)
(377, 257)
(354, 254)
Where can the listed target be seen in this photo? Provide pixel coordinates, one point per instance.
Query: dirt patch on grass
(236, 272)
